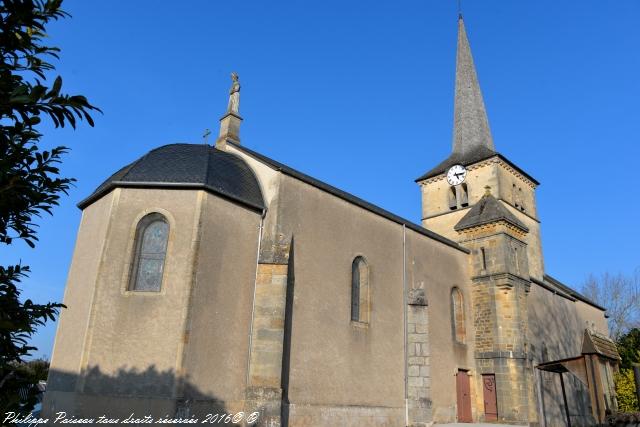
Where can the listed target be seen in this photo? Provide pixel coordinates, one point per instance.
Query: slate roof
(575, 294)
(486, 211)
(472, 140)
(559, 288)
(346, 196)
(470, 123)
(599, 344)
(196, 166)
(478, 155)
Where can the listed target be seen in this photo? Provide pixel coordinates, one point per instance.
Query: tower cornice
(495, 158)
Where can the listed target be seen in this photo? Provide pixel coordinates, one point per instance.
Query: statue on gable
(234, 95)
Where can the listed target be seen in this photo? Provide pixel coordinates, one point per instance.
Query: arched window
(150, 252)
(457, 315)
(359, 290)
(464, 196)
(453, 199)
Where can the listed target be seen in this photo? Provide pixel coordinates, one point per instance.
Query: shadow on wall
(148, 393)
(557, 332)
(577, 400)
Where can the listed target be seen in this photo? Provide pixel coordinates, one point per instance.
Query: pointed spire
(471, 126)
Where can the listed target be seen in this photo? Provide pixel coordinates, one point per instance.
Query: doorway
(490, 399)
(463, 391)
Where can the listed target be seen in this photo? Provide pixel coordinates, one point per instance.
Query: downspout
(404, 323)
(253, 301)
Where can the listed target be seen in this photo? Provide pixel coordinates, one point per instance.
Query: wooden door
(464, 397)
(490, 400)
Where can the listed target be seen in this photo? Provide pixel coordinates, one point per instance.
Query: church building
(213, 279)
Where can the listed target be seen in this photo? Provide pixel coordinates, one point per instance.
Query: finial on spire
(230, 122)
(487, 190)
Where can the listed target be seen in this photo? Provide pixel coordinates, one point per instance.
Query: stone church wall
(438, 269)
(74, 321)
(143, 351)
(556, 330)
(216, 355)
(341, 372)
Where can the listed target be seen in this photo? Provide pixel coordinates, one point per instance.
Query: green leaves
(30, 181)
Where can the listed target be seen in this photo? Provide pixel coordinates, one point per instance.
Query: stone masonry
(264, 392)
(500, 286)
(418, 365)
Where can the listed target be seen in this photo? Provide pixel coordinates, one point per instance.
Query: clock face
(456, 175)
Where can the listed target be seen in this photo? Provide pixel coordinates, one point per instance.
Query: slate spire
(471, 127)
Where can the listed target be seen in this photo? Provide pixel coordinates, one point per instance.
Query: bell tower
(446, 199)
(482, 200)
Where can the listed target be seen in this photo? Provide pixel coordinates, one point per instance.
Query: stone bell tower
(443, 203)
(487, 204)
(499, 269)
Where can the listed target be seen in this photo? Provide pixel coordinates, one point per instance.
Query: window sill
(143, 293)
(359, 325)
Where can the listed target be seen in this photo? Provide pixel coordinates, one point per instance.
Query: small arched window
(453, 199)
(359, 290)
(457, 315)
(464, 195)
(152, 235)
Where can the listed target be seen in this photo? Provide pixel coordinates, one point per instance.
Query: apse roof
(196, 166)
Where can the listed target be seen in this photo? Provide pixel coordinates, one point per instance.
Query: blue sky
(360, 94)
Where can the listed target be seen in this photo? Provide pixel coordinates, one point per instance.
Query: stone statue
(234, 95)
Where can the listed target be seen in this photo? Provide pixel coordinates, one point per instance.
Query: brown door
(490, 401)
(464, 397)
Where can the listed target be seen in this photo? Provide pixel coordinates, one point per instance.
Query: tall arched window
(359, 290)
(464, 195)
(453, 199)
(152, 235)
(457, 315)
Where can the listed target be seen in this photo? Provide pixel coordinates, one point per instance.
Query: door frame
(492, 393)
(463, 403)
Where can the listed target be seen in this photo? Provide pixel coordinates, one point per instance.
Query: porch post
(564, 397)
(636, 375)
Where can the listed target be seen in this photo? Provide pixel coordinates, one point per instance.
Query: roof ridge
(488, 210)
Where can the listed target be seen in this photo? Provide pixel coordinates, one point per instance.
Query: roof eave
(168, 186)
(573, 293)
(481, 223)
(280, 167)
(437, 171)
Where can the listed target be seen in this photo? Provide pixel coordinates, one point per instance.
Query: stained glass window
(150, 253)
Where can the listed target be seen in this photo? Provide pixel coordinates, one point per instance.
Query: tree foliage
(30, 181)
(23, 392)
(620, 295)
(629, 348)
(626, 391)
